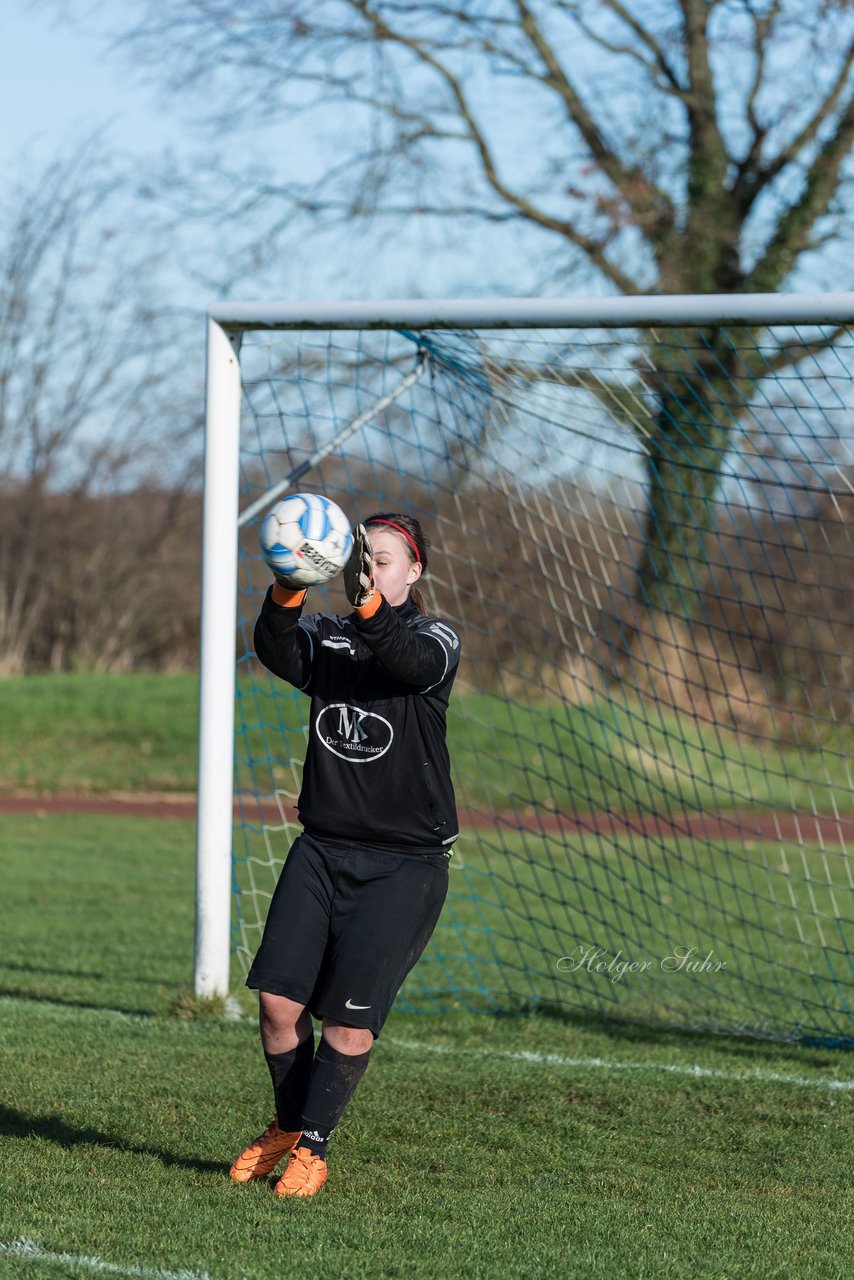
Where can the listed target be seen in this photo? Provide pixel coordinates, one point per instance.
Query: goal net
(641, 523)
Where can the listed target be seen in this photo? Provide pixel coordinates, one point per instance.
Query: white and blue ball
(306, 539)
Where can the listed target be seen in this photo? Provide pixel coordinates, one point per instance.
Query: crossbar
(544, 313)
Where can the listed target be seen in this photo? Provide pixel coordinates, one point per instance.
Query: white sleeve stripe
(445, 633)
(447, 661)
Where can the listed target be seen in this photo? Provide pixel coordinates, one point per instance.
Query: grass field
(547, 1145)
(525, 912)
(139, 732)
(476, 1147)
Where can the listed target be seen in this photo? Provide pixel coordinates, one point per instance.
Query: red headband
(408, 536)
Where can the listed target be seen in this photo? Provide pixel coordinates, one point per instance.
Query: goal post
(216, 664)
(651, 742)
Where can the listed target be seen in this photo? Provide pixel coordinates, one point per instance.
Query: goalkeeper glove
(285, 593)
(359, 570)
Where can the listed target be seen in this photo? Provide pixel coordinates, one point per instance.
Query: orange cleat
(305, 1174)
(262, 1156)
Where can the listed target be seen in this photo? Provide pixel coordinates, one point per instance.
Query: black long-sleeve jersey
(377, 769)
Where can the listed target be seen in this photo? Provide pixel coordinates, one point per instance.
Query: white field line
(610, 1064)
(62, 1009)
(512, 1055)
(28, 1250)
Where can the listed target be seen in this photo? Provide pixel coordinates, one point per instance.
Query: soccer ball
(306, 539)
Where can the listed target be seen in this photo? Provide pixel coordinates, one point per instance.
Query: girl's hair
(413, 538)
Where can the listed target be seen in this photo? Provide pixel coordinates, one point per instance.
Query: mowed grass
(698, 933)
(714, 934)
(92, 733)
(476, 1146)
(97, 733)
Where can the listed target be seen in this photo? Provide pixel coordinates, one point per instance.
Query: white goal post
(227, 322)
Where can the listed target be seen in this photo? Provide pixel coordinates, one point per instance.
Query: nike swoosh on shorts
(349, 1005)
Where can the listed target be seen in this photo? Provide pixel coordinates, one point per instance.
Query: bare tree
(678, 146)
(85, 393)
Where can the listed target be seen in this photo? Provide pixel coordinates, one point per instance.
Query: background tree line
(692, 146)
(769, 650)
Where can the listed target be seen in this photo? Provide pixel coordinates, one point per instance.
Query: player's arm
(283, 641)
(422, 656)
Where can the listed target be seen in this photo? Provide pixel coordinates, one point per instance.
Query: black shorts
(345, 926)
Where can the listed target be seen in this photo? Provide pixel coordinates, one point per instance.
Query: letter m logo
(350, 724)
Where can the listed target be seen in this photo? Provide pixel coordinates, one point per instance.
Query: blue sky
(57, 82)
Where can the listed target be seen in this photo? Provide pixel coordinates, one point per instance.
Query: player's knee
(278, 1014)
(346, 1039)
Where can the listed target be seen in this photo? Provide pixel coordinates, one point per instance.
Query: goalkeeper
(364, 883)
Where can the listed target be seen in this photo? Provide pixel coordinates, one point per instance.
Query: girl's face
(394, 569)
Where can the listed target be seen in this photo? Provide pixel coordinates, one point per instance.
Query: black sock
(334, 1078)
(290, 1073)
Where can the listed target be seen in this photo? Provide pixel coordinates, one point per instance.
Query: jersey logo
(336, 643)
(350, 724)
(358, 736)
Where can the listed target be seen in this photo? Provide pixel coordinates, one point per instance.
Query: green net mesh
(644, 538)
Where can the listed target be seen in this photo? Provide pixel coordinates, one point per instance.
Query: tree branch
(659, 61)
(594, 249)
(708, 160)
(788, 355)
(763, 26)
(651, 207)
(754, 178)
(793, 228)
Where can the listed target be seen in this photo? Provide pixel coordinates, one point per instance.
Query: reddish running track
(788, 827)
